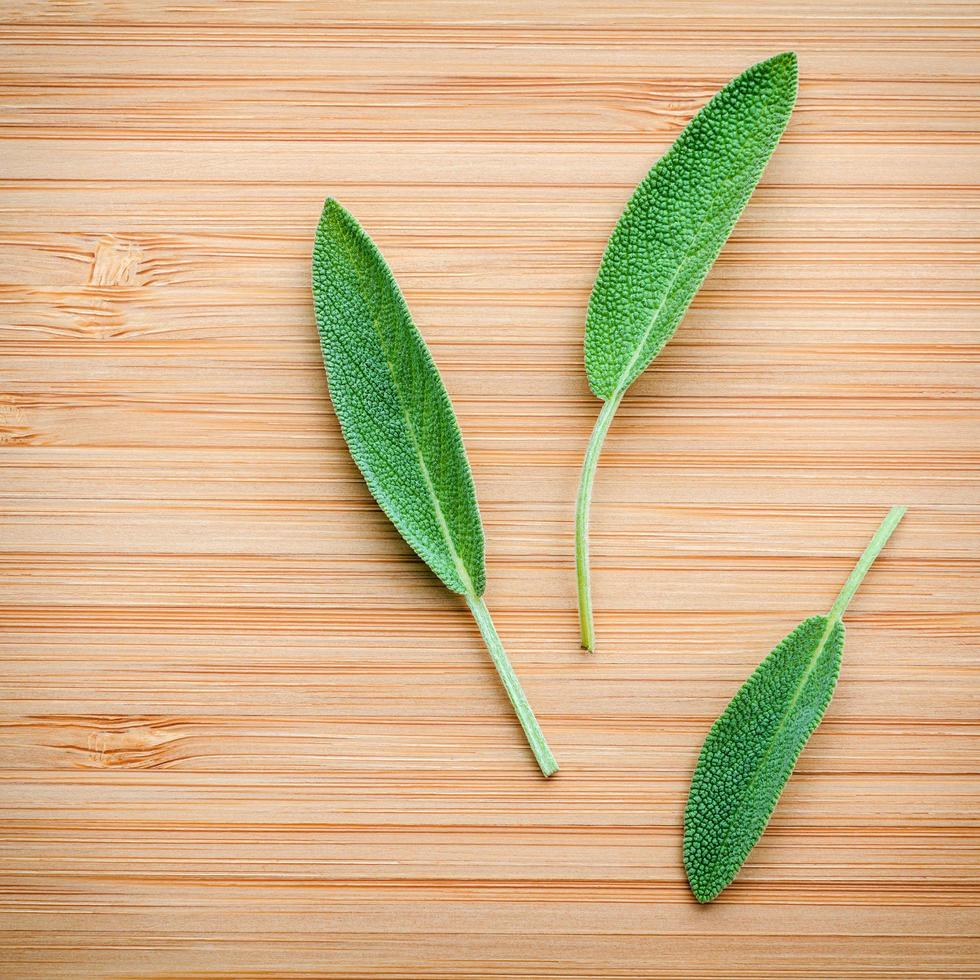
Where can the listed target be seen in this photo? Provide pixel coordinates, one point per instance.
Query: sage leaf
(400, 428)
(663, 247)
(751, 749)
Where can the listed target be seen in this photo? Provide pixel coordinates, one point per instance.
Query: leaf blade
(394, 411)
(677, 221)
(751, 750)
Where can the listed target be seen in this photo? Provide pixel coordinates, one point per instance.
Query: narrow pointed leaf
(751, 750)
(662, 248)
(677, 221)
(393, 407)
(401, 429)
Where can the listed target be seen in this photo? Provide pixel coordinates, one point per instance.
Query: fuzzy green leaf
(751, 750)
(393, 407)
(662, 248)
(401, 429)
(677, 220)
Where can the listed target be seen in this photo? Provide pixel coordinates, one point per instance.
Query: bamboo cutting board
(244, 732)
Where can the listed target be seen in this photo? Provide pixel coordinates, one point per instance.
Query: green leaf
(677, 221)
(663, 247)
(393, 407)
(751, 749)
(399, 424)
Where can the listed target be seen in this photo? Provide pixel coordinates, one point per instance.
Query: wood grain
(244, 732)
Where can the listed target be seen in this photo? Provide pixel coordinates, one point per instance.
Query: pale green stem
(865, 562)
(582, 519)
(535, 737)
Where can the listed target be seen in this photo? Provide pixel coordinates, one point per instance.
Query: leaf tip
(785, 59)
(789, 62)
(332, 209)
(699, 888)
(782, 70)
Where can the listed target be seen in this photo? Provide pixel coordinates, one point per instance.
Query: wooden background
(245, 733)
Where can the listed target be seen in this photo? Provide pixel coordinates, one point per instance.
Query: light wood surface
(244, 732)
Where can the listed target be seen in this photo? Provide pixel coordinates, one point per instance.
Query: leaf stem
(582, 519)
(864, 563)
(535, 737)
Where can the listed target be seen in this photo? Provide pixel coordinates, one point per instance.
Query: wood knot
(131, 745)
(115, 262)
(15, 430)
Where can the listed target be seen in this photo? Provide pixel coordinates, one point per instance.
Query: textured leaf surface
(393, 407)
(677, 221)
(751, 750)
